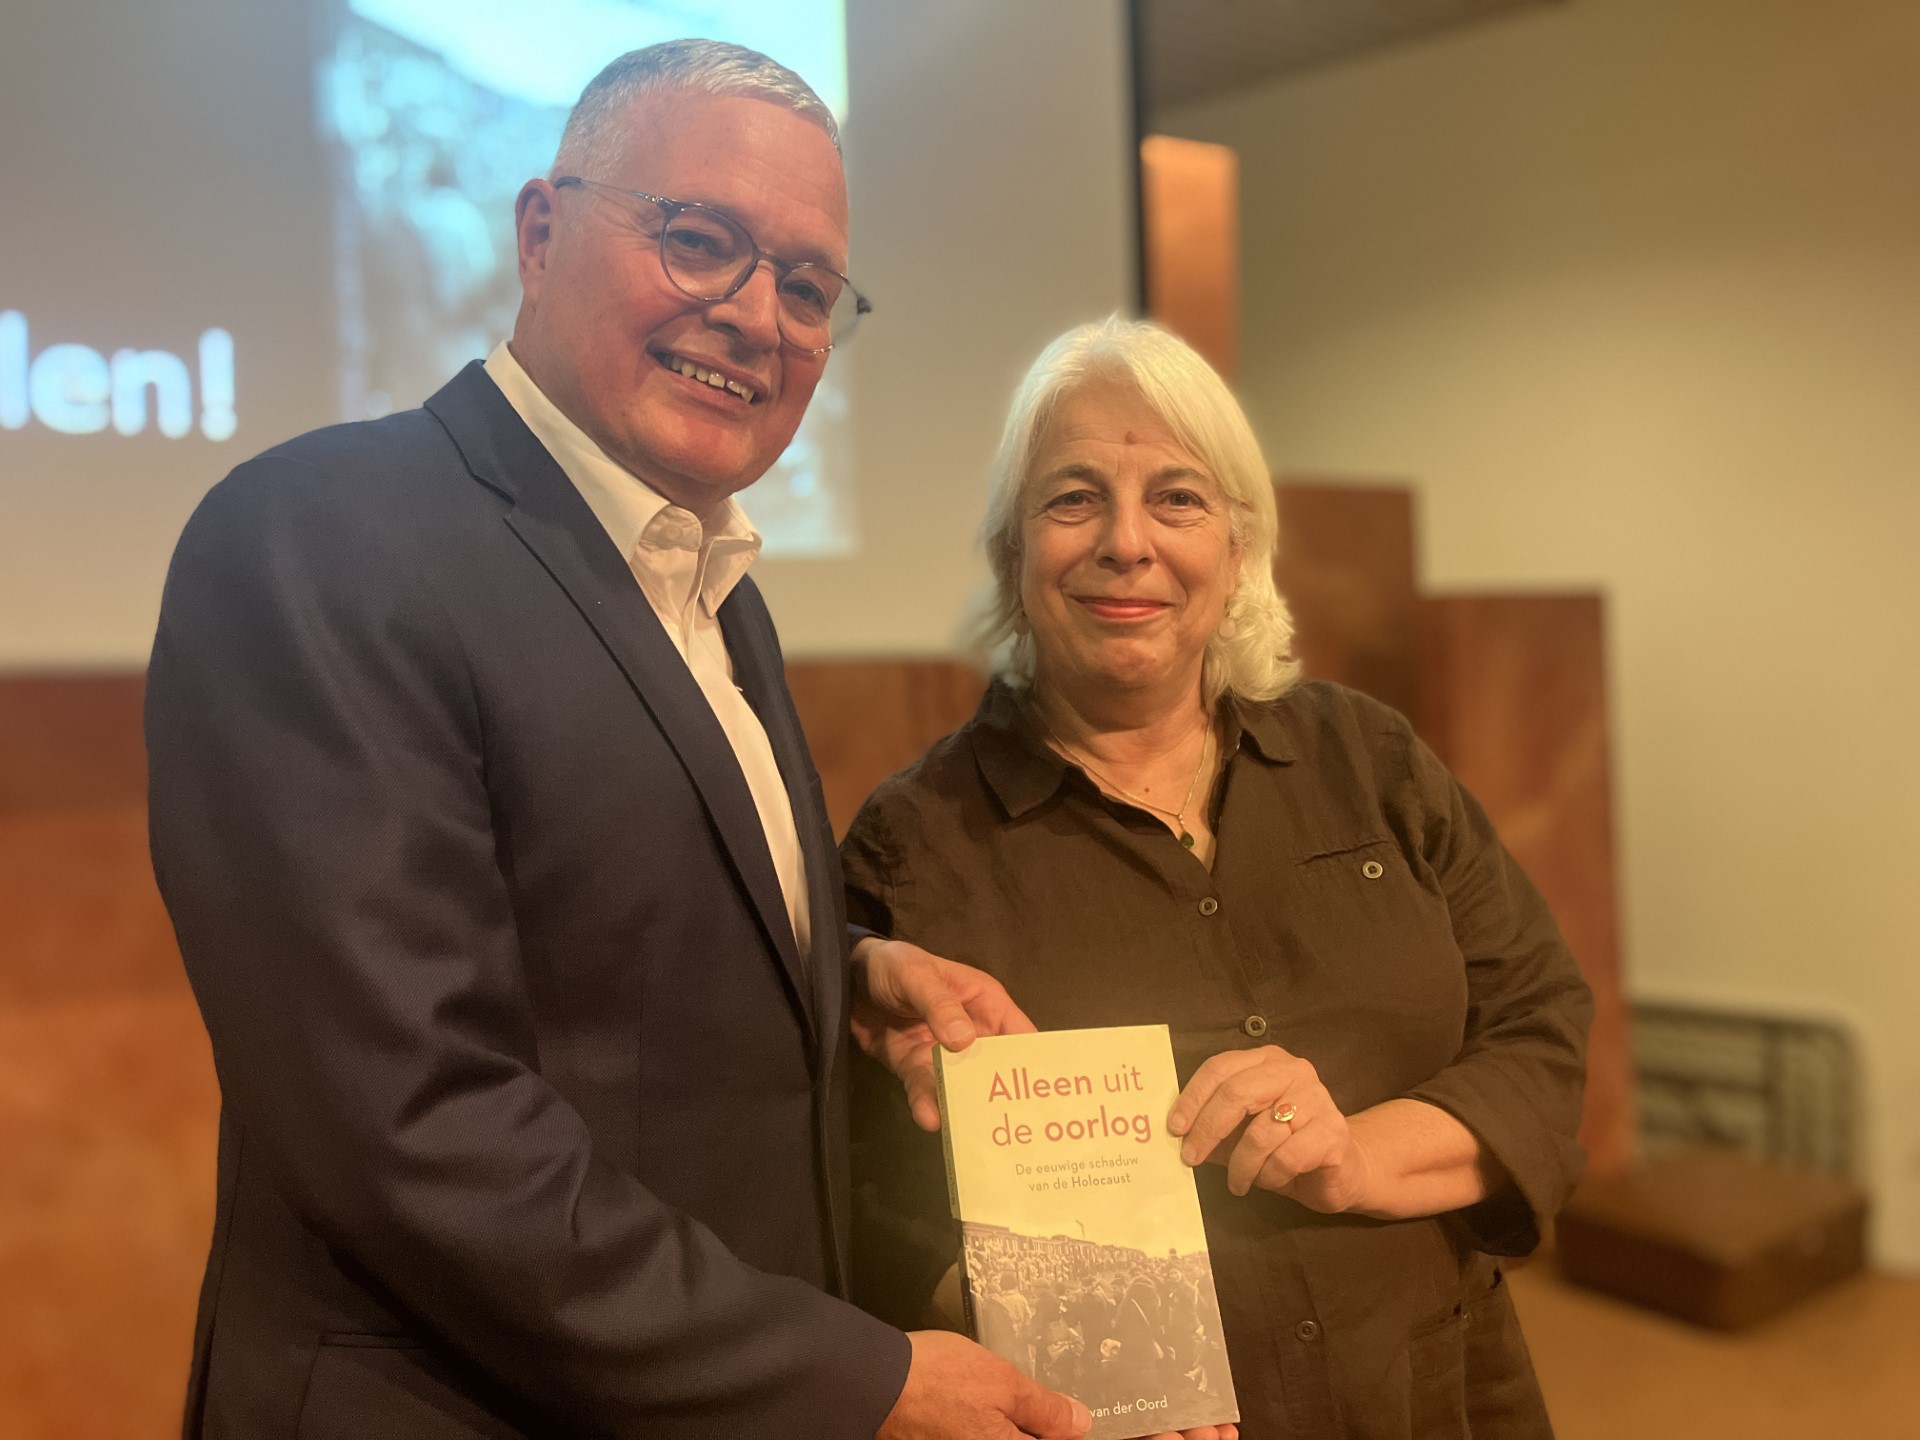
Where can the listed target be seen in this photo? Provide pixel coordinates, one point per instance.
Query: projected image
(437, 111)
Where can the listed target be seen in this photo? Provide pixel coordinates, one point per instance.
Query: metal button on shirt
(1373, 869)
(1307, 1330)
(1209, 905)
(1254, 1025)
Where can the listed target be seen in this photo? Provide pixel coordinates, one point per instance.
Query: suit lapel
(757, 668)
(758, 671)
(556, 525)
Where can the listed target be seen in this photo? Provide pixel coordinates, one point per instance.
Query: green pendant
(1186, 838)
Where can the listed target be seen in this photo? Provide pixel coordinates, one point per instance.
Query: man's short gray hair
(592, 139)
(1253, 656)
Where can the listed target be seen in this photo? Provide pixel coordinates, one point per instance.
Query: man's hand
(905, 1000)
(956, 1390)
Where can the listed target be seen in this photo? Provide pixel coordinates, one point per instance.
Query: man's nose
(753, 311)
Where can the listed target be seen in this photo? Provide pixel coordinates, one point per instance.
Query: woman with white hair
(1153, 819)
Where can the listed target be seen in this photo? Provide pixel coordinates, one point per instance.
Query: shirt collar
(1024, 772)
(639, 519)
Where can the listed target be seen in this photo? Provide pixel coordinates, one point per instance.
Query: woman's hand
(1311, 1156)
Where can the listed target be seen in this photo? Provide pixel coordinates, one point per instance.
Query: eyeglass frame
(782, 267)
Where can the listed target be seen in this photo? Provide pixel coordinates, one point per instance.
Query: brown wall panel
(71, 740)
(108, 1110)
(1514, 700)
(81, 915)
(108, 1102)
(106, 1082)
(1346, 566)
(1190, 213)
(865, 719)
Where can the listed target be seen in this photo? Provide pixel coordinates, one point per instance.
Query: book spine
(946, 1132)
(953, 1194)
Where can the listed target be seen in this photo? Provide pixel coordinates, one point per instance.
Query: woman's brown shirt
(1361, 913)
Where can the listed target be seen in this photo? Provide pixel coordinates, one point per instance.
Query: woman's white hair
(596, 127)
(1251, 656)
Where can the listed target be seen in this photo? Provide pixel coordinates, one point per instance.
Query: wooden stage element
(107, 1094)
(1190, 216)
(866, 719)
(1348, 570)
(108, 1098)
(1514, 699)
(1510, 691)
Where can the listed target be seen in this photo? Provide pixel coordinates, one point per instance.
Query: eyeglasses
(709, 255)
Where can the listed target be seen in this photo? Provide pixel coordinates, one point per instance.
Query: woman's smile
(1122, 610)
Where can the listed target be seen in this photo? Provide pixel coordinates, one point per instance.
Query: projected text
(77, 390)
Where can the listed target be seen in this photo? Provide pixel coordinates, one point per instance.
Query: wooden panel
(1190, 211)
(106, 1084)
(865, 719)
(108, 1103)
(1513, 698)
(81, 914)
(68, 740)
(1346, 566)
(108, 1119)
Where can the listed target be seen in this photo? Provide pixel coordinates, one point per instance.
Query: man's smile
(719, 378)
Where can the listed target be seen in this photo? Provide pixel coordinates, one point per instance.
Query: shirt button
(1307, 1330)
(1373, 869)
(1254, 1025)
(1209, 905)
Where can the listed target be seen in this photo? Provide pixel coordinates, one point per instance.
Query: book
(1084, 1259)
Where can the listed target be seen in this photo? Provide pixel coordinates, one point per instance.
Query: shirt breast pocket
(1379, 935)
(1366, 861)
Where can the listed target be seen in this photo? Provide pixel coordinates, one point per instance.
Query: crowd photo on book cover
(1127, 1332)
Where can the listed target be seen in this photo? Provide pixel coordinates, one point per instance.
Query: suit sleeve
(1520, 1076)
(323, 837)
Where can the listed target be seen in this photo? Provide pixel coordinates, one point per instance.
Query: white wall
(1632, 289)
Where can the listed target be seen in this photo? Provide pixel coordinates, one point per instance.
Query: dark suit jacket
(533, 1118)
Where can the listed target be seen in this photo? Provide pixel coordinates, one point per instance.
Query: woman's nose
(1123, 538)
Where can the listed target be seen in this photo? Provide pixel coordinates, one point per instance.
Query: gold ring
(1284, 1113)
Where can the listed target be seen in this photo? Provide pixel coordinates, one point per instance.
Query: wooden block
(1713, 1235)
(1513, 697)
(1347, 569)
(1190, 230)
(81, 914)
(71, 740)
(108, 1116)
(865, 719)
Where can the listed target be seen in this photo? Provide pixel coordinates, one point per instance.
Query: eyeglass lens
(707, 255)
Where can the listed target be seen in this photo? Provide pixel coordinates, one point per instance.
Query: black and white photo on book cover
(1084, 1256)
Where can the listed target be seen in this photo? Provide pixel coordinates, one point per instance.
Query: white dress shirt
(686, 571)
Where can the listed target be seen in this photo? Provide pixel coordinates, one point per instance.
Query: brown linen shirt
(1361, 913)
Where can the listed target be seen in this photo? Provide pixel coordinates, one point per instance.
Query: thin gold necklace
(1179, 817)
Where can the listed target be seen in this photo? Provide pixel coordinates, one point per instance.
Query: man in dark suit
(501, 870)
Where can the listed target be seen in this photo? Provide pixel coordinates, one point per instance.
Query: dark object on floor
(1713, 1235)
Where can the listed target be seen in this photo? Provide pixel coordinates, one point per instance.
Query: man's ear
(533, 233)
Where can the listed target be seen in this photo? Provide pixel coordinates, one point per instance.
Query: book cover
(1084, 1259)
